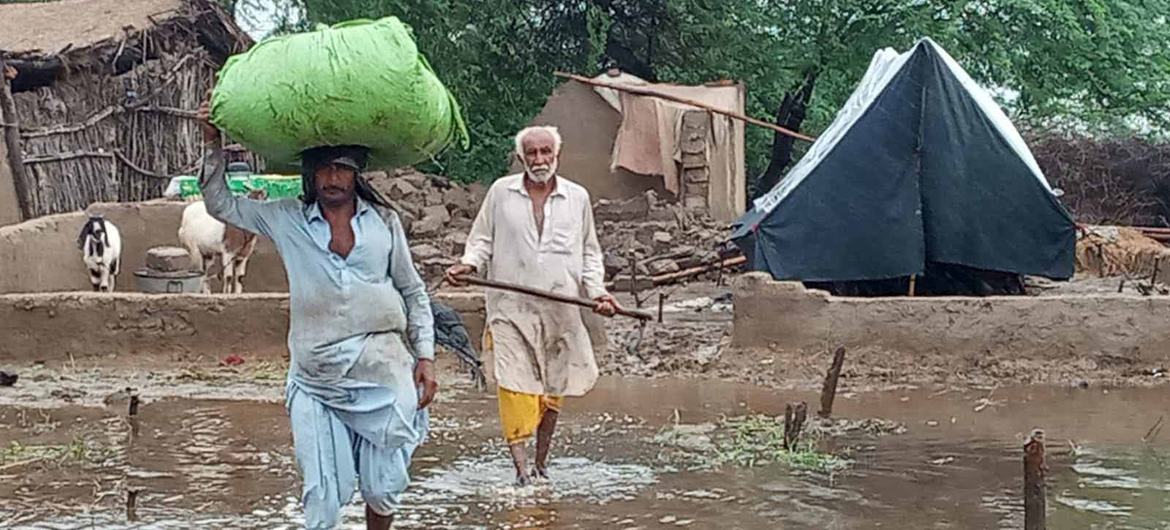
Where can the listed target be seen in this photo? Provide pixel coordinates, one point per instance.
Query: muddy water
(227, 464)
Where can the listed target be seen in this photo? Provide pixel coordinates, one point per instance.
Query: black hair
(312, 159)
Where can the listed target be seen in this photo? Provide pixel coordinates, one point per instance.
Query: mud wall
(784, 316)
(41, 255)
(53, 326)
(588, 126)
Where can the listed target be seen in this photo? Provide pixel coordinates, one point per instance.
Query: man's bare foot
(540, 474)
(523, 481)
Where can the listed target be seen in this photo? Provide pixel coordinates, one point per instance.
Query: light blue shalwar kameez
(351, 396)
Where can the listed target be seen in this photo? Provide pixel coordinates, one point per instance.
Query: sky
(259, 17)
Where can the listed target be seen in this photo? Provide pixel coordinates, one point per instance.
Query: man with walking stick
(536, 229)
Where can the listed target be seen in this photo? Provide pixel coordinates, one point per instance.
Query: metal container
(152, 281)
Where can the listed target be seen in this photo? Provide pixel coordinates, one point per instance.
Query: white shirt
(540, 347)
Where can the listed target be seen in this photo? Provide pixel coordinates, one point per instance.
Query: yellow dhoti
(520, 413)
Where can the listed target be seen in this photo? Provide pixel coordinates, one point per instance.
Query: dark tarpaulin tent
(920, 172)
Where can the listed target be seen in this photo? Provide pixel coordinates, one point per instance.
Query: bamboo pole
(686, 101)
(583, 302)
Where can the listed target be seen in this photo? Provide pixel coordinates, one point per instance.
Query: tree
(1091, 64)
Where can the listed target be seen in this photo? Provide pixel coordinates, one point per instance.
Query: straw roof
(48, 27)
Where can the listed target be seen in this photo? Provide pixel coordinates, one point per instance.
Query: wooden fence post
(794, 416)
(829, 389)
(1035, 504)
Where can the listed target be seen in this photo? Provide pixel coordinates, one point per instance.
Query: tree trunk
(790, 115)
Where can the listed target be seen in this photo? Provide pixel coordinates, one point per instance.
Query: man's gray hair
(551, 130)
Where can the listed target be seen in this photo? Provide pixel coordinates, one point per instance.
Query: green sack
(357, 83)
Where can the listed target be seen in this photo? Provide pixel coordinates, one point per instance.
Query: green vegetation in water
(77, 451)
(750, 441)
(268, 371)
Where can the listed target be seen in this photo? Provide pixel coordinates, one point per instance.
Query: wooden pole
(829, 389)
(661, 301)
(634, 279)
(1035, 504)
(132, 504)
(10, 124)
(913, 280)
(685, 101)
(583, 302)
(794, 416)
(695, 271)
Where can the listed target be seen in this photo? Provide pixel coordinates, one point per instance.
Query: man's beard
(540, 174)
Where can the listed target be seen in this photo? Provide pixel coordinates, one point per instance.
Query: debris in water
(1153, 432)
(232, 360)
(67, 394)
(8, 379)
(688, 436)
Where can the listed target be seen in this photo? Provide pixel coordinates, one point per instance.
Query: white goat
(204, 237)
(101, 248)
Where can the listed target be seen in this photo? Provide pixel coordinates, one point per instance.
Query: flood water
(228, 464)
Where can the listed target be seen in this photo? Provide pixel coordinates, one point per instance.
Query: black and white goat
(101, 248)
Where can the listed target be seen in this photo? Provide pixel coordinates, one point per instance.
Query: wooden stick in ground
(132, 505)
(583, 302)
(634, 279)
(661, 301)
(829, 389)
(794, 416)
(1035, 503)
(639, 91)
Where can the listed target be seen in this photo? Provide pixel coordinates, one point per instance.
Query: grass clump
(750, 441)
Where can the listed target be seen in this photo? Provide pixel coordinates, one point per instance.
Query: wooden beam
(685, 101)
(10, 123)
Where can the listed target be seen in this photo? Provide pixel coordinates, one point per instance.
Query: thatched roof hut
(104, 95)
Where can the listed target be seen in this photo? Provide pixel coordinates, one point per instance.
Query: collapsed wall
(41, 255)
(785, 316)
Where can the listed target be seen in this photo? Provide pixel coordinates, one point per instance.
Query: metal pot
(152, 281)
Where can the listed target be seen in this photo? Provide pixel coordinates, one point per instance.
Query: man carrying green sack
(361, 341)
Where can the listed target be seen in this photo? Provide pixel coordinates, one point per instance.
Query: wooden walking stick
(583, 302)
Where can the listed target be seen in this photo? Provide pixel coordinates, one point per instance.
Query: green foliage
(78, 451)
(1093, 65)
(758, 440)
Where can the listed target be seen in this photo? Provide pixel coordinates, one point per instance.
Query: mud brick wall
(41, 255)
(1112, 328)
(53, 326)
